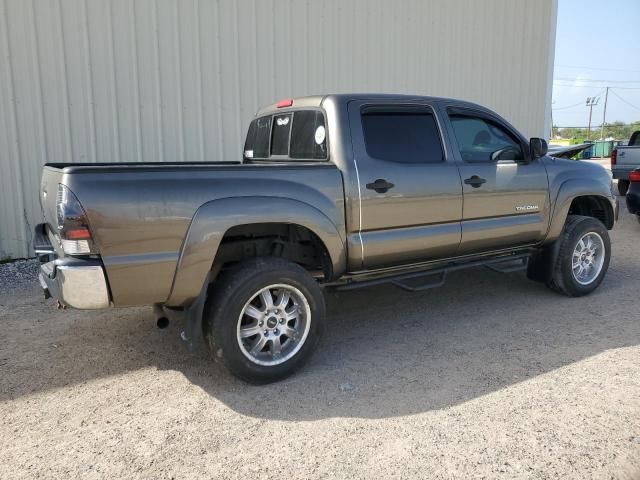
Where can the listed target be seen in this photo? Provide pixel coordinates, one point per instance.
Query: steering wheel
(507, 153)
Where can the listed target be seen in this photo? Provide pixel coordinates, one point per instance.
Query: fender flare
(568, 191)
(213, 219)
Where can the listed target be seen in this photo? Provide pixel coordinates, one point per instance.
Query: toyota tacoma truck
(335, 191)
(625, 159)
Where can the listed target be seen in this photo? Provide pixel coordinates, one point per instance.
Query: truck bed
(139, 213)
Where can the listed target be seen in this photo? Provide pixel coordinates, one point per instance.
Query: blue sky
(597, 45)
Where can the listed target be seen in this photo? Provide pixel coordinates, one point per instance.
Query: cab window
(483, 140)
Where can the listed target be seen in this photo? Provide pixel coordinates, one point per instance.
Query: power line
(597, 68)
(577, 104)
(595, 80)
(625, 101)
(592, 86)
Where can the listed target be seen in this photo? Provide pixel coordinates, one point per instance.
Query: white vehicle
(624, 159)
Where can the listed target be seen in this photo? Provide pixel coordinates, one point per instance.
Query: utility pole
(551, 138)
(604, 113)
(591, 101)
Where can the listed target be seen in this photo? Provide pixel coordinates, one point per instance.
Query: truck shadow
(392, 353)
(386, 352)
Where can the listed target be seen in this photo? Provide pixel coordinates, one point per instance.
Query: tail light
(634, 176)
(73, 227)
(614, 156)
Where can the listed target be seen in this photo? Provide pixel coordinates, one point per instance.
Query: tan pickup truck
(336, 191)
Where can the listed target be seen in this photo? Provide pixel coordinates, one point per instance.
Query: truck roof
(315, 101)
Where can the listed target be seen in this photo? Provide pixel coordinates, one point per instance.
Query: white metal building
(159, 80)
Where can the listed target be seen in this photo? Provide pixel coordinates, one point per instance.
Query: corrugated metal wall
(159, 80)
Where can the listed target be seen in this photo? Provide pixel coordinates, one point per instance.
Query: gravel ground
(18, 275)
(490, 376)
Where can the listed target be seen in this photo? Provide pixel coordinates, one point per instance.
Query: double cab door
(431, 185)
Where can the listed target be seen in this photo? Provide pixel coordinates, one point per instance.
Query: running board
(436, 277)
(511, 265)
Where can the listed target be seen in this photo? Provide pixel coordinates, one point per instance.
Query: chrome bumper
(74, 282)
(80, 284)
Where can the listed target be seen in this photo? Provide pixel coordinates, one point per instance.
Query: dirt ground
(491, 376)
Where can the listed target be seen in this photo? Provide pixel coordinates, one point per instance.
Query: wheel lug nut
(261, 323)
(282, 320)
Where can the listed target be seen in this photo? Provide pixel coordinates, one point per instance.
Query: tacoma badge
(522, 208)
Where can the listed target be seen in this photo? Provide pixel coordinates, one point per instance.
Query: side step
(436, 277)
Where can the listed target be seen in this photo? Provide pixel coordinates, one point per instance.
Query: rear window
(280, 129)
(299, 135)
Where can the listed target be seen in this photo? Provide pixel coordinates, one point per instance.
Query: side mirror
(538, 147)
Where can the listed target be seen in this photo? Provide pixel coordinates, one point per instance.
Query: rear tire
(583, 257)
(263, 319)
(623, 187)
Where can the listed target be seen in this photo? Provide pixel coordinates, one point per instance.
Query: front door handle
(380, 185)
(475, 181)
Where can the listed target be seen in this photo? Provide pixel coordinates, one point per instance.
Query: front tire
(263, 319)
(623, 187)
(583, 257)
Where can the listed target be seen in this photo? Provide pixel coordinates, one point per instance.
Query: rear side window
(308, 135)
(402, 136)
(298, 135)
(257, 142)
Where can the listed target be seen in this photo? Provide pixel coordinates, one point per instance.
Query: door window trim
(471, 112)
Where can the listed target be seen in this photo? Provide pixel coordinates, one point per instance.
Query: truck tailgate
(629, 155)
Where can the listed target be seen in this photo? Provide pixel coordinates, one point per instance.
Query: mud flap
(541, 263)
(192, 334)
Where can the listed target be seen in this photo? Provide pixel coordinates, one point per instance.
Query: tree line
(617, 130)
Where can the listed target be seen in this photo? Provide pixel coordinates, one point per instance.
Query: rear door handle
(380, 185)
(475, 181)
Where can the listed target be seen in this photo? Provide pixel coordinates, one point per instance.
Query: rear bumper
(74, 282)
(82, 286)
(621, 172)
